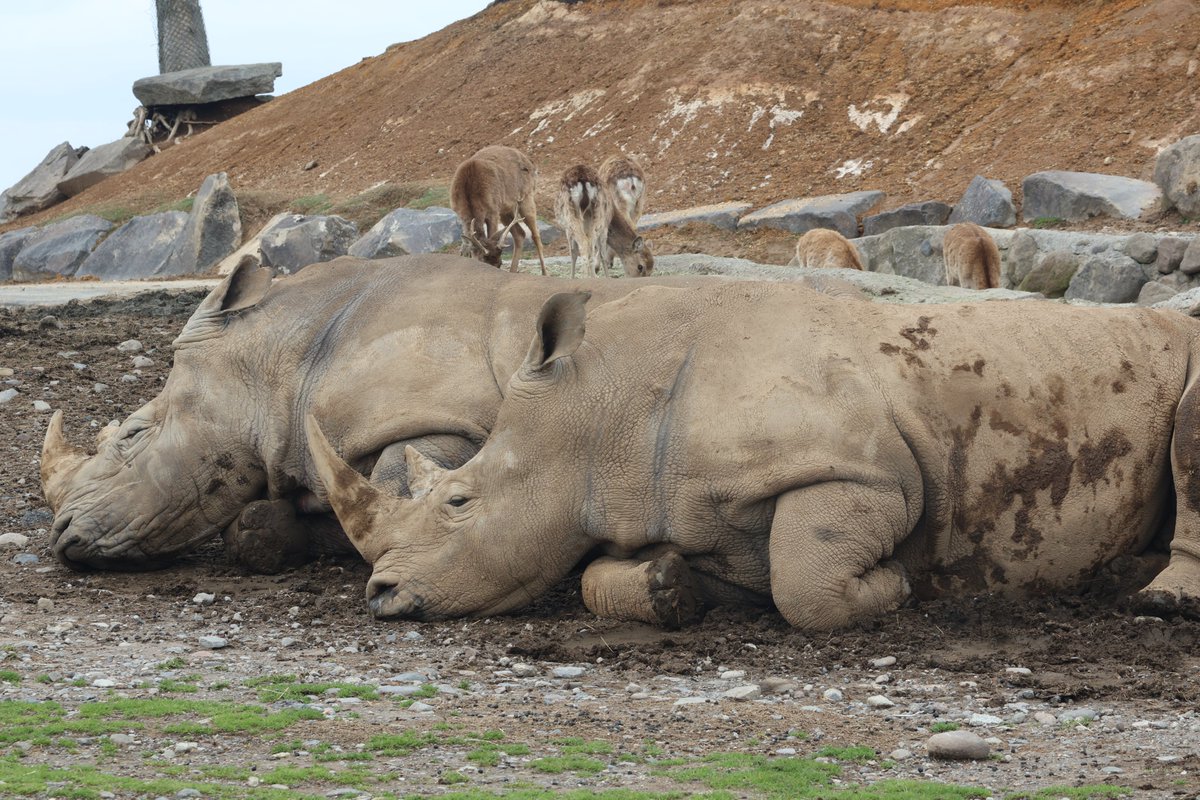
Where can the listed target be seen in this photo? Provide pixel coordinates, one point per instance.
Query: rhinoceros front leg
(660, 592)
(831, 547)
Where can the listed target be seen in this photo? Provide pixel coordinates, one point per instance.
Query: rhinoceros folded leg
(659, 592)
(267, 538)
(831, 547)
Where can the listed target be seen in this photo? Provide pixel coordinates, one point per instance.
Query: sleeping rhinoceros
(762, 442)
(408, 350)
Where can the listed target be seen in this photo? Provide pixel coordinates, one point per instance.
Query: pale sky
(67, 66)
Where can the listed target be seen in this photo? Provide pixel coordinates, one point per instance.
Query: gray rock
(1020, 260)
(885, 661)
(879, 701)
(35, 517)
(1104, 280)
(98, 163)
(8, 395)
(549, 234)
(1078, 715)
(25, 559)
(957, 746)
(1170, 254)
(777, 685)
(1053, 273)
(213, 229)
(207, 84)
(406, 231)
(121, 739)
(57, 250)
(297, 241)
(721, 215)
(1177, 173)
(421, 708)
(39, 189)
(748, 692)
(138, 249)
(568, 672)
(984, 720)
(930, 212)
(141, 362)
(1190, 263)
(11, 244)
(1142, 248)
(251, 247)
(41, 406)
(837, 211)
(1077, 196)
(986, 202)
(1155, 292)
(914, 252)
(213, 642)
(129, 346)
(900, 754)
(204, 599)
(833, 695)
(13, 540)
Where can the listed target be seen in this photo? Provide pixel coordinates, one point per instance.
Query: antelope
(492, 193)
(627, 182)
(972, 258)
(596, 227)
(822, 248)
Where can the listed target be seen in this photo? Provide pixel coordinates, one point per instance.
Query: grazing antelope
(583, 210)
(822, 248)
(622, 240)
(627, 182)
(492, 193)
(972, 258)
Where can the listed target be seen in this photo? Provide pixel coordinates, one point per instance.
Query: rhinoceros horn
(60, 461)
(356, 502)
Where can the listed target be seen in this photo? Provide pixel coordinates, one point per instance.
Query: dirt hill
(723, 100)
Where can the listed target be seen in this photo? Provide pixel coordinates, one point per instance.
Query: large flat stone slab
(100, 162)
(1177, 173)
(57, 250)
(721, 215)
(39, 189)
(207, 84)
(839, 212)
(408, 231)
(1077, 196)
(138, 249)
(930, 212)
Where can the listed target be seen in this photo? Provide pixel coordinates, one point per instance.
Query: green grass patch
(169, 685)
(451, 778)
(311, 204)
(1095, 792)
(857, 754)
(171, 664)
(222, 717)
(1049, 222)
(400, 744)
(943, 727)
(8, 676)
(184, 205)
(576, 746)
(273, 688)
(578, 764)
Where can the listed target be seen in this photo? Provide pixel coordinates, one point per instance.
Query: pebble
(104, 683)
(79, 366)
(287, 641)
(568, 672)
(833, 695)
(204, 599)
(130, 346)
(879, 701)
(886, 661)
(900, 754)
(420, 708)
(978, 720)
(213, 642)
(49, 321)
(25, 558)
(957, 745)
(1045, 718)
(188, 792)
(777, 685)
(1084, 714)
(15, 540)
(6, 372)
(141, 362)
(184, 747)
(524, 670)
(747, 692)
(1018, 670)
(413, 636)
(691, 701)
(733, 674)
(120, 739)
(41, 405)
(7, 395)
(45, 604)
(129, 378)
(100, 388)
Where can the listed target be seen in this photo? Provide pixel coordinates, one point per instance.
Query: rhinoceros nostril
(386, 599)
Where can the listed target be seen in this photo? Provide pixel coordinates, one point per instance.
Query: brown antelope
(972, 258)
(627, 182)
(622, 240)
(492, 193)
(597, 229)
(822, 248)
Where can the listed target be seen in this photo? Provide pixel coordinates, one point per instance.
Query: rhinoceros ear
(356, 502)
(423, 472)
(243, 288)
(560, 327)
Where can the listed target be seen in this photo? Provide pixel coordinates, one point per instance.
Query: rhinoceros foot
(267, 538)
(660, 592)
(1175, 591)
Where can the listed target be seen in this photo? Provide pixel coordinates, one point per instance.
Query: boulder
(837, 211)
(11, 244)
(213, 230)
(1107, 280)
(297, 241)
(986, 202)
(251, 247)
(549, 233)
(914, 252)
(57, 250)
(1142, 248)
(720, 215)
(39, 189)
(1190, 263)
(100, 162)
(1177, 173)
(1155, 292)
(1052, 273)
(1170, 254)
(958, 746)
(930, 212)
(1022, 259)
(138, 249)
(1077, 196)
(1186, 302)
(408, 231)
(207, 84)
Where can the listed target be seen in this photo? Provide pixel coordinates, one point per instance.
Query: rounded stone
(957, 746)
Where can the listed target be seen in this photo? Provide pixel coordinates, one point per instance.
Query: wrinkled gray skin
(833, 458)
(411, 350)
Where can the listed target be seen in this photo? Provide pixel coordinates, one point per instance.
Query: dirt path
(115, 673)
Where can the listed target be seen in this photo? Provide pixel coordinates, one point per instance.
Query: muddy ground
(128, 699)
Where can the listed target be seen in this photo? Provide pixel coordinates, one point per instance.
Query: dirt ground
(1070, 692)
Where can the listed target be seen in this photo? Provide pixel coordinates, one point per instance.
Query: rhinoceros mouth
(75, 543)
(392, 601)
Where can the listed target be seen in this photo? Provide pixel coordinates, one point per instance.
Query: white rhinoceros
(412, 350)
(762, 441)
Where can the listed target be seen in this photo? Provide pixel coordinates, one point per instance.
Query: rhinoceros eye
(458, 501)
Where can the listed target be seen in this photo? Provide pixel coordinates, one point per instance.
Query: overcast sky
(67, 66)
